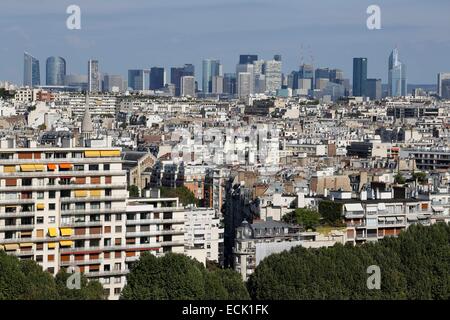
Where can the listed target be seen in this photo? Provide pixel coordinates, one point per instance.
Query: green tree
(307, 218)
(133, 191)
(89, 290)
(331, 212)
(185, 195)
(415, 265)
(178, 277)
(399, 178)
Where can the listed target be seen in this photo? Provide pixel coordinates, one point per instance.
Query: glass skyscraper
(55, 71)
(359, 77)
(157, 78)
(211, 68)
(138, 80)
(31, 71)
(397, 76)
(306, 72)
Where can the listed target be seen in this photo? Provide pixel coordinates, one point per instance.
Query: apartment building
(203, 230)
(68, 208)
(256, 241)
(64, 207)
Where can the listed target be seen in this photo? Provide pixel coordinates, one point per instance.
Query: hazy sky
(126, 34)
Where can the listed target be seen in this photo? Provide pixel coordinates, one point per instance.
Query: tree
(307, 218)
(25, 280)
(399, 178)
(420, 177)
(331, 212)
(185, 195)
(415, 265)
(178, 277)
(133, 191)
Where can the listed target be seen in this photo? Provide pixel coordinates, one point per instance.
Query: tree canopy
(178, 277)
(416, 265)
(307, 218)
(25, 280)
(185, 195)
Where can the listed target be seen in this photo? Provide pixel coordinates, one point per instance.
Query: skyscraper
(374, 89)
(188, 86)
(112, 83)
(157, 78)
(217, 84)
(273, 75)
(55, 71)
(229, 83)
(176, 73)
(443, 85)
(249, 86)
(31, 72)
(245, 80)
(322, 77)
(247, 58)
(306, 75)
(93, 76)
(139, 79)
(397, 76)
(359, 77)
(336, 76)
(211, 68)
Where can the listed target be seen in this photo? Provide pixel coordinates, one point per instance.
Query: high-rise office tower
(359, 77)
(306, 72)
(188, 86)
(273, 75)
(176, 73)
(211, 68)
(217, 84)
(157, 78)
(245, 80)
(336, 76)
(374, 89)
(138, 80)
(397, 76)
(112, 83)
(229, 83)
(55, 71)
(247, 58)
(31, 72)
(322, 77)
(443, 85)
(246, 68)
(93, 76)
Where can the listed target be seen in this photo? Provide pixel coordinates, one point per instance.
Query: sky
(130, 34)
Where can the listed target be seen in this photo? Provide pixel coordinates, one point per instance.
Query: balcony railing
(81, 262)
(71, 186)
(17, 227)
(154, 221)
(93, 199)
(154, 233)
(56, 174)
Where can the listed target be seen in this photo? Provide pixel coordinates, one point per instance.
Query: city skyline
(226, 41)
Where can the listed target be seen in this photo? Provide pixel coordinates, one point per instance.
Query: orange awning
(51, 167)
(65, 166)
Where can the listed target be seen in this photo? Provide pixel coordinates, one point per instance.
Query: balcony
(154, 221)
(18, 227)
(62, 160)
(71, 186)
(56, 174)
(154, 233)
(18, 214)
(106, 273)
(91, 211)
(81, 262)
(93, 199)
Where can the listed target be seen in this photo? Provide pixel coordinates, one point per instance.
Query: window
(106, 281)
(117, 267)
(118, 217)
(80, 206)
(39, 258)
(51, 206)
(51, 258)
(117, 279)
(93, 167)
(117, 254)
(78, 167)
(108, 192)
(51, 181)
(52, 194)
(39, 246)
(39, 220)
(95, 205)
(107, 217)
(40, 195)
(117, 241)
(107, 242)
(107, 267)
(118, 229)
(107, 229)
(117, 291)
(51, 219)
